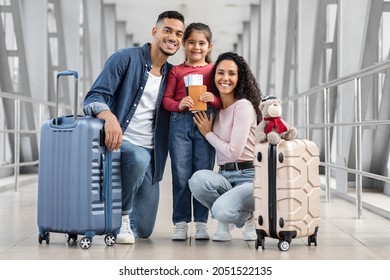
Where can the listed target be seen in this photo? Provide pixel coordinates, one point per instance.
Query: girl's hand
(203, 122)
(186, 102)
(207, 97)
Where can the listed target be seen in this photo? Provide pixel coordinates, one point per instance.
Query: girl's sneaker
(201, 231)
(180, 231)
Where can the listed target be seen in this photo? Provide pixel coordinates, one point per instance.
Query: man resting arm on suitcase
(127, 95)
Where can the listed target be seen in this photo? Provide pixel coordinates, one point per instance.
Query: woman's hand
(203, 122)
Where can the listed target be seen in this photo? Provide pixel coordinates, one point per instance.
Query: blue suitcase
(79, 182)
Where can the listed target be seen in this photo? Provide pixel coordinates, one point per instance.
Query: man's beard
(165, 52)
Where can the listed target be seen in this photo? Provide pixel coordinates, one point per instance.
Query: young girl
(188, 149)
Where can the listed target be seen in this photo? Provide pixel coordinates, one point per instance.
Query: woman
(229, 193)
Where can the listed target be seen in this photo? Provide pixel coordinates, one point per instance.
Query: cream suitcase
(287, 192)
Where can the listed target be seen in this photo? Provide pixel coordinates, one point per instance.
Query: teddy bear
(272, 128)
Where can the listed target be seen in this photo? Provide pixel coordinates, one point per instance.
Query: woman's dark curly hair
(247, 86)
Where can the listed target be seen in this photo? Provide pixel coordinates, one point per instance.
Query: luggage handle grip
(68, 73)
(76, 78)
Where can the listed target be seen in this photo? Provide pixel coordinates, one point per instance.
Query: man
(127, 95)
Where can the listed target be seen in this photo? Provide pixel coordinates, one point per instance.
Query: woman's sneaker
(249, 231)
(223, 232)
(125, 235)
(180, 231)
(201, 231)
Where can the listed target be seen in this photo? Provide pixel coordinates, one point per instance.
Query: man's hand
(112, 129)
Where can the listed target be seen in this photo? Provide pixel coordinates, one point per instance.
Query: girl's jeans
(189, 151)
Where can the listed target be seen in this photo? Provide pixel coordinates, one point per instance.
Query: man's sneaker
(223, 232)
(180, 231)
(249, 231)
(201, 231)
(125, 235)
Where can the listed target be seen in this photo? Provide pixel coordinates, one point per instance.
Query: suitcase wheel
(46, 238)
(283, 245)
(259, 242)
(110, 239)
(85, 243)
(71, 237)
(312, 239)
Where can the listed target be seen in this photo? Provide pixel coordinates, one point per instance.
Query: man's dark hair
(170, 14)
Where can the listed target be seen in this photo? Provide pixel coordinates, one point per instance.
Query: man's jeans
(228, 194)
(189, 151)
(140, 196)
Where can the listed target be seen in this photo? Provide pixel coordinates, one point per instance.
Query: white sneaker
(180, 231)
(125, 235)
(223, 232)
(201, 231)
(249, 231)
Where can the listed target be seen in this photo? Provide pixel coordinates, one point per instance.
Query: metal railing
(43, 107)
(324, 89)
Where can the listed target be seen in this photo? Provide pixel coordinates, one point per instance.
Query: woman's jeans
(140, 195)
(228, 194)
(189, 151)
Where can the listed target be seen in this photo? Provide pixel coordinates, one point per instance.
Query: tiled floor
(341, 237)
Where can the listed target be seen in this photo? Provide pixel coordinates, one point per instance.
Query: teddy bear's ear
(261, 106)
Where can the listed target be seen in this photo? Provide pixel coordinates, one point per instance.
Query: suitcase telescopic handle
(76, 79)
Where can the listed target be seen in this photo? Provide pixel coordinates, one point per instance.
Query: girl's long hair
(198, 26)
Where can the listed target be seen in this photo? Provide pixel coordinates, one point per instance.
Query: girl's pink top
(175, 89)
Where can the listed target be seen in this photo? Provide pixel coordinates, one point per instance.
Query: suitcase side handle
(76, 79)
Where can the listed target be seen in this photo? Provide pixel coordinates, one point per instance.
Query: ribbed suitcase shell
(287, 191)
(79, 183)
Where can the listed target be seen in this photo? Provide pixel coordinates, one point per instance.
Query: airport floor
(341, 236)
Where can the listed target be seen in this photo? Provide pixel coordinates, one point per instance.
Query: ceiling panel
(225, 18)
